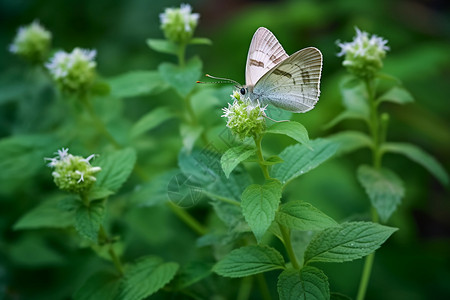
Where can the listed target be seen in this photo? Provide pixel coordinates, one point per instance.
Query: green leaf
(182, 78)
(309, 283)
(345, 115)
(145, 277)
(233, 156)
(191, 273)
(300, 215)
(137, 83)
(154, 191)
(89, 218)
(272, 160)
(292, 129)
(354, 96)
(98, 192)
(200, 41)
(397, 95)
(384, 188)
(150, 121)
(100, 88)
(259, 204)
(163, 46)
(298, 159)
(351, 240)
(419, 156)
(101, 285)
(48, 214)
(116, 167)
(350, 141)
(249, 260)
(32, 249)
(190, 134)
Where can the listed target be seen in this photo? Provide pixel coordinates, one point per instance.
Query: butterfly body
(273, 77)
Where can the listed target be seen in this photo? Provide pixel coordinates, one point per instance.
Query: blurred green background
(413, 264)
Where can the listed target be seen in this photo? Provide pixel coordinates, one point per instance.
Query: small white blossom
(72, 173)
(32, 42)
(364, 55)
(73, 71)
(179, 24)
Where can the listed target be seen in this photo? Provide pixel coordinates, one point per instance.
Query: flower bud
(245, 119)
(364, 55)
(74, 72)
(179, 24)
(32, 42)
(73, 173)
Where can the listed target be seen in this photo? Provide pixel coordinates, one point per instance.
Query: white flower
(73, 71)
(31, 41)
(178, 24)
(73, 173)
(364, 55)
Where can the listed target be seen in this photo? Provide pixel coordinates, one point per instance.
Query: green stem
(187, 218)
(114, 257)
(245, 288)
(99, 123)
(264, 289)
(181, 53)
(285, 232)
(261, 163)
(374, 123)
(365, 276)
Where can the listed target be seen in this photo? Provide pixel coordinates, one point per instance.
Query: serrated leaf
(101, 285)
(300, 215)
(136, 83)
(182, 78)
(155, 191)
(98, 192)
(299, 159)
(200, 41)
(397, 95)
(203, 169)
(292, 129)
(419, 156)
(351, 240)
(48, 214)
(309, 283)
(116, 167)
(163, 46)
(192, 273)
(259, 204)
(233, 156)
(89, 218)
(350, 141)
(150, 121)
(145, 277)
(32, 250)
(345, 115)
(384, 188)
(249, 260)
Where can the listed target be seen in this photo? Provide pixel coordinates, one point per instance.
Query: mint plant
(363, 92)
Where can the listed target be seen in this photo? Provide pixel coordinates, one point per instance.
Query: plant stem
(181, 53)
(288, 245)
(365, 276)
(99, 123)
(263, 166)
(265, 293)
(187, 218)
(245, 288)
(114, 257)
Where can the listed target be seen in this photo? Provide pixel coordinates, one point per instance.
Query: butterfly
(273, 77)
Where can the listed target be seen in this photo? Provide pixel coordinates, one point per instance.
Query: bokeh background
(414, 264)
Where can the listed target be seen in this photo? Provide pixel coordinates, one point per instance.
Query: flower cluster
(73, 173)
(364, 55)
(32, 42)
(245, 119)
(75, 71)
(179, 24)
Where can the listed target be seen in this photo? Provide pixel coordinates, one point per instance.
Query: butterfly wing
(265, 52)
(293, 84)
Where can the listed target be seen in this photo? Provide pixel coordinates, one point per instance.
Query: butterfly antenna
(222, 80)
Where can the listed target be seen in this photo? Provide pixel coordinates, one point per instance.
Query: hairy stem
(263, 166)
(288, 245)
